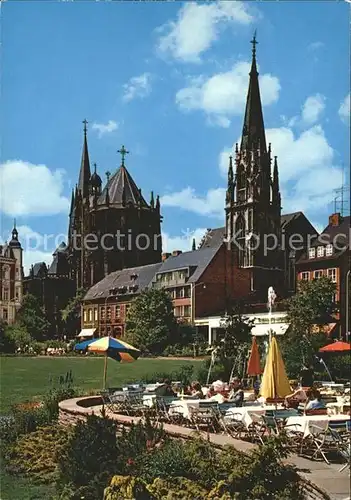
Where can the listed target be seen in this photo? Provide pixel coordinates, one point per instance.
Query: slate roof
(285, 219)
(38, 267)
(331, 234)
(122, 182)
(124, 278)
(198, 260)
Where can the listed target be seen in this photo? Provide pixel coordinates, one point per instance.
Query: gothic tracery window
(240, 239)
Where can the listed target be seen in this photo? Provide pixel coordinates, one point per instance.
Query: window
(317, 274)
(95, 314)
(5, 314)
(305, 275)
(90, 315)
(108, 313)
(187, 311)
(118, 312)
(85, 316)
(17, 273)
(127, 306)
(6, 294)
(312, 253)
(329, 250)
(18, 293)
(102, 313)
(320, 252)
(332, 274)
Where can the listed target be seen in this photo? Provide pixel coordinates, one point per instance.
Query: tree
(150, 323)
(17, 336)
(307, 312)
(7, 344)
(32, 318)
(71, 314)
(232, 349)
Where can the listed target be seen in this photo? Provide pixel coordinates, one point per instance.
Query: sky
(169, 81)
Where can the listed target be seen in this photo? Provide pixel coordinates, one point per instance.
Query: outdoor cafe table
(186, 407)
(246, 414)
(307, 423)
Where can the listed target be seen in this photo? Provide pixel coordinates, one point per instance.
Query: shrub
(218, 372)
(176, 487)
(126, 487)
(89, 458)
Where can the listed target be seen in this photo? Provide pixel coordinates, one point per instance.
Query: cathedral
(111, 228)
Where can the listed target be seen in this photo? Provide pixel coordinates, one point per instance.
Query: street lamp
(107, 297)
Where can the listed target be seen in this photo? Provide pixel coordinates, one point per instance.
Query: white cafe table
(246, 414)
(307, 423)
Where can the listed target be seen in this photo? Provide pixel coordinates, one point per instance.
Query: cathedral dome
(95, 180)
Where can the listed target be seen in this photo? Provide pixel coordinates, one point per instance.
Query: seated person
(165, 390)
(256, 387)
(236, 395)
(314, 400)
(298, 395)
(211, 392)
(196, 390)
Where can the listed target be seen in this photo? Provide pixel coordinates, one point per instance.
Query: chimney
(165, 256)
(335, 219)
(175, 253)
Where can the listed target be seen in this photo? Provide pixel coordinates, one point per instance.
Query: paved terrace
(326, 477)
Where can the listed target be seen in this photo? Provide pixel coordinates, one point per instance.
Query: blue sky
(168, 80)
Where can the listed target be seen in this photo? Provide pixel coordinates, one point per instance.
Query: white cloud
(28, 189)
(105, 128)
(211, 204)
(313, 109)
(198, 26)
(138, 86)
(183, 242)
(344, 110)
(224, 94)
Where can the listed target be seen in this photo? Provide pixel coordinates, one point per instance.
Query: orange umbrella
(254, 364)
(336, 347)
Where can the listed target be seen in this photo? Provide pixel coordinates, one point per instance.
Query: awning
(262, 330)
(87, 332)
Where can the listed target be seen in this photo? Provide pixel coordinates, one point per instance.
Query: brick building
(200, 282)
(329, 255)
(11, 278)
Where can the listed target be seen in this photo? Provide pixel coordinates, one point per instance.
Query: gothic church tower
(253, 203)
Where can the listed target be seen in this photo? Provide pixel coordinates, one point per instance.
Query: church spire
(84, 173)
(253, 129)
(72, 202)
(275, 183)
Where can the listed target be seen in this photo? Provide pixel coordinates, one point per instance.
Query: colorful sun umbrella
(254, 364)
(83, 345)
(115, 349)
(336, 347)
(275, 383)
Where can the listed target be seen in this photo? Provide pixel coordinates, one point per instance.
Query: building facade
(329, 255)
(11, 278)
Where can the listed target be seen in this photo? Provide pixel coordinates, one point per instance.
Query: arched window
(240, 239)
(241, 184)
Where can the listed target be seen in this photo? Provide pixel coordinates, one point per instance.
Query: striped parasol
(115, 349)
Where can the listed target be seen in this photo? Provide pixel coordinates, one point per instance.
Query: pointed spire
(107, 195)
(72, 202)
(275, 183)
(230, 171)
(158, 205)
(193, 245)
(84, 173)
(152, 201)
(253, 130)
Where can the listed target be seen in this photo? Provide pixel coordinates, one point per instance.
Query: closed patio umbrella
(254, 364)
(275, 383)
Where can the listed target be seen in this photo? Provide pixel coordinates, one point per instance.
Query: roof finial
(254, 43)
(85, 123)
(14, 223)
(94, 168)
(108, 174)
(123, 152)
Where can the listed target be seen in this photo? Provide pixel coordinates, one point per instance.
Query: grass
(21, 488)
(25, 379)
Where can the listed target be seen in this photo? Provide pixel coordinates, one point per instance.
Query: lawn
(24, 379)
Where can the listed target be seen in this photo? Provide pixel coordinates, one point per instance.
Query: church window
(320, 252)
(312, 253)
(329, 250)
(240, 239)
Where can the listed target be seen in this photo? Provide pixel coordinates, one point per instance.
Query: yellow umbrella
(275, 383)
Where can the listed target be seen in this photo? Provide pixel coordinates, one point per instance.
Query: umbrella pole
(105, 373)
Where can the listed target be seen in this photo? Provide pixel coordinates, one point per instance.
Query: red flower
(130, 461)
